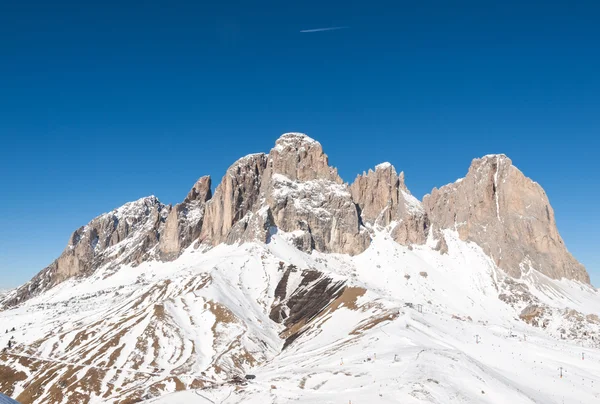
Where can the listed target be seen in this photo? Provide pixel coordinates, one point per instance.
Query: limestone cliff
(508, 215)
(384, 200)
(184, 223)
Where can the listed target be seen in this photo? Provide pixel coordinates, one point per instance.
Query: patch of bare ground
(130, 399)
(81, 337)
(35, 388)
(158, 292)
(108, 341)
(593, 318)
(197, 283)
(160, 388)
(237, 354)
(222, 314)
(294, 329)
(186, 367)
(238, 359)
(373, 321)
(198, 384)
(348, 298)
(9, 378)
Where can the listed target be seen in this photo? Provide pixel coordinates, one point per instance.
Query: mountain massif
(286, 266)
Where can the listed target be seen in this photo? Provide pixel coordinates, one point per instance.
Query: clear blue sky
(105, 102)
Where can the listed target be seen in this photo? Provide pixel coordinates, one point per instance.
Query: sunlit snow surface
(381, 351)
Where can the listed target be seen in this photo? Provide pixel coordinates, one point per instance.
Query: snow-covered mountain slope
(393, 324)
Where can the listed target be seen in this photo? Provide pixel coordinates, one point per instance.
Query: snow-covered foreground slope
(394, 324)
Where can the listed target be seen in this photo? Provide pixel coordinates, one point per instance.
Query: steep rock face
(508, 215)
(307, 198)
(293, 189)
(300, 158)
(184, 223)
(236, 196)
(384, 199)
(319, 214)
(125, 235)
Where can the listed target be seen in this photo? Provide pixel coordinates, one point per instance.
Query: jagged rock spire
(236, 196)
(300, 158)
(184, 223)
(384, 199)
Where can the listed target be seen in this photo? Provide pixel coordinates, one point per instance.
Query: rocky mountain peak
(306, 198)
(201, 191)
(508, 215)
(384, 199)
(301, 158)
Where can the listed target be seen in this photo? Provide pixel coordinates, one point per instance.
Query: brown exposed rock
(593, 318)
(508, 215)
(532, 314)
(9, 377)
(306, 197)
(237, 195)
(184, 223)
(384, 199)
(300, 158)
(292, 189)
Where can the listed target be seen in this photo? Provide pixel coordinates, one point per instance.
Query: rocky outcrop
(317, 214)
(532, 314)
(308, 199)
(292, 189)
(384, 200)
(508, 215)
(300, 158)
(236, 196)
(126, 235)
(184, 223)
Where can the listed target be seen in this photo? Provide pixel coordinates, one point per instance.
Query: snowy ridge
(383, 166)
(293, 138)
(413, 204)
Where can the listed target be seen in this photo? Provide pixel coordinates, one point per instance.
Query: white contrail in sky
(323, 29)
